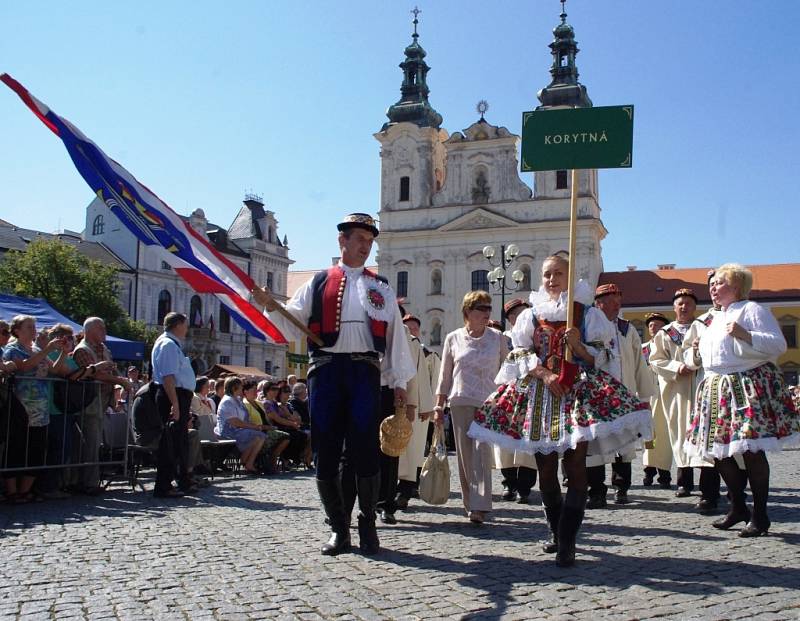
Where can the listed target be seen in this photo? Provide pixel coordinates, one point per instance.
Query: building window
(561, 180)
(98, 225)
(224, 359)
(196, 312)
(224, 319)
(480, 280)
(164, 305)
(165, 265)
(525, 285)
(790, 334)
(402, 284)
(405, 189)
(436, 282)
(270, 281)
(436, 332)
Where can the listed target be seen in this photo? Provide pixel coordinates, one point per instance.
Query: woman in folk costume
(534, 412)
(742, 406)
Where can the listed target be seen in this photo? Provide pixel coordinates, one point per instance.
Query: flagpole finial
(415, 13)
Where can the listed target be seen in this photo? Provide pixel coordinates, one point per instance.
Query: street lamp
(497, 277)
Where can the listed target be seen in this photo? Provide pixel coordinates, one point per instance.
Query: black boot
(330, 492)
(368, 490)
(758, 473)
(735, 479)
(568, 526)
(551, 502)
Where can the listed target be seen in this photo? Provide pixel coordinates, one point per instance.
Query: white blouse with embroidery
(722, 353)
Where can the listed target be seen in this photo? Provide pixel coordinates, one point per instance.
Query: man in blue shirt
(175, 382)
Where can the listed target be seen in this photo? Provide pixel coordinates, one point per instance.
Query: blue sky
(203, 101)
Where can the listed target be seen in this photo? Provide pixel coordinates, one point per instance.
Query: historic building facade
(154, 289)
(444, 197)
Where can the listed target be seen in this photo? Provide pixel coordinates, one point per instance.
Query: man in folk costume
(518, 468)
(354, 312)
(420, 394)
(657, 457)
(626, 364)
(677, 385)
(408, 481)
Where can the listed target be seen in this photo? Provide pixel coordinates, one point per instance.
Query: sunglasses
(484, 308)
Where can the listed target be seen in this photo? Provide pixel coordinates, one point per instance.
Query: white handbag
(434, 480)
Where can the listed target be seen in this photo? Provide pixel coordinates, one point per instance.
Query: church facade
(445, 197)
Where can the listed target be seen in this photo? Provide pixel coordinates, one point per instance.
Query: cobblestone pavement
(248, 548)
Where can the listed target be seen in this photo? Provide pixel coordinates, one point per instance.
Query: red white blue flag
(158, 227)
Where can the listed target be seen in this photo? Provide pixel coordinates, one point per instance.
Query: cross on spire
(415, 13)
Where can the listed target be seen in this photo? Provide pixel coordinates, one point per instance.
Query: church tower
(564, 91)
(412, 155)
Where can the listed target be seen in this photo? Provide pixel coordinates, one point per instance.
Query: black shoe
(337, 544)
(368, 489)
(552, 503)
(168, 493)
(401, 502)
(682, 493)
(754, 530)
(388, 518)
(706, 506)
(524, 500)
(665, 484)
(647, 481)
(597, 502)
(509, 494)
(621, 497)
(733, 518)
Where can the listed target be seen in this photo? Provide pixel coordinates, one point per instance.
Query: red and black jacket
(326, 309)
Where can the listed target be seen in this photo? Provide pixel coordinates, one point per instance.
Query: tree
(73, 284)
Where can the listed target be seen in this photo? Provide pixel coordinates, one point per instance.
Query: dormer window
(405, 189)
(98, 225)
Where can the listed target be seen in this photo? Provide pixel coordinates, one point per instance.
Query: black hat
(358, 221)
(655, 317)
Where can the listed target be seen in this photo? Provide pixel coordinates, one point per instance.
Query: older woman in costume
(742, 406)
(534, 412)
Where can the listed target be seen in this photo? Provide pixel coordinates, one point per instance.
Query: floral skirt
(748, 411)
(525, 416)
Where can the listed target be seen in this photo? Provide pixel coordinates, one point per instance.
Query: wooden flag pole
(573, 233)
(291, 318)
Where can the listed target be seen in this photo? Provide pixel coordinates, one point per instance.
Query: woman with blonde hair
(471, 357)
(742, 406)
(536, 410)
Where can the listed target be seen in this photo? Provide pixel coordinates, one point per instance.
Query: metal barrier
(81, 434)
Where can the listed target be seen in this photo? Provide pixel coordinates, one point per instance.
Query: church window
(98, 225)
(196, 312)
(270, 281)
(789, 329)
(402, 284)
(436, 332)
(164, 305)
(268, 367)
(525, 285)
(561, 180)
(405, 189)
(436, 282)
(224, 320)
(480, 280)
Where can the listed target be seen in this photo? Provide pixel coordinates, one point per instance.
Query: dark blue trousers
(344, 399)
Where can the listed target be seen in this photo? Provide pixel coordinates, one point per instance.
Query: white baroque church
(444, 197)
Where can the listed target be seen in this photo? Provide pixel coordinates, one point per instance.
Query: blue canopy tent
(46, 316)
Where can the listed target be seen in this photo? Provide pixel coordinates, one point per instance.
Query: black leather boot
(569, 525)
(758, 473)
(368, 491)
(330, 492)
(735, 479)
(551, 502)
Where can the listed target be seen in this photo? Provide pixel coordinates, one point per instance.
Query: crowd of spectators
(62, 395)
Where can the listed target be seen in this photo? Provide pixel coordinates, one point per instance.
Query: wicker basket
(396, 433)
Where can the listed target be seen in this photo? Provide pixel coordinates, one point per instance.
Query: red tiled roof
(771, 283)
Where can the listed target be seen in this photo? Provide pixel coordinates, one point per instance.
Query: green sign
(577, 138)
(297, 358)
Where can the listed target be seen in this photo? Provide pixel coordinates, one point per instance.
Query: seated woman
(277, 440)
(273, 397)
(233, 424)
(205, 409)
(742, 406)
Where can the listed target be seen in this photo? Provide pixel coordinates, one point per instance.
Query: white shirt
(722, 353)
(355, 335)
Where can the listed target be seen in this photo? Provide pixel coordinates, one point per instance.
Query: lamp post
(497, 276)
